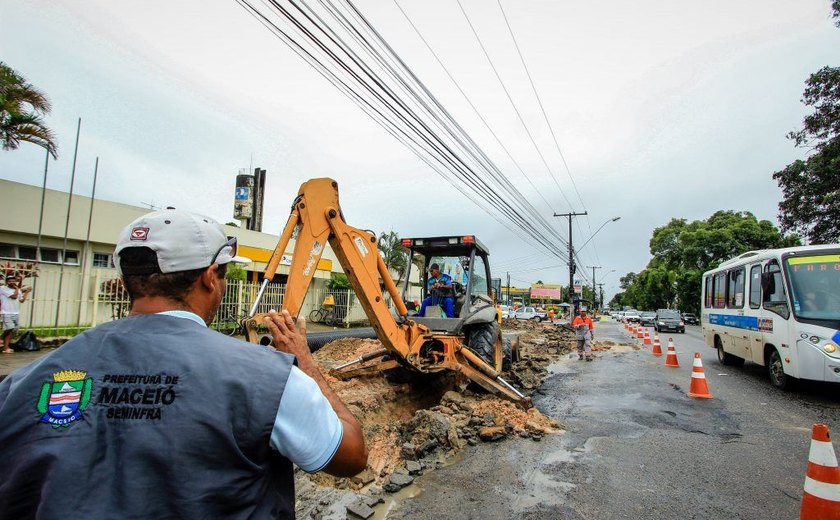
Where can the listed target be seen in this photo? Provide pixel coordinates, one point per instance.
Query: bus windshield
(815, 286)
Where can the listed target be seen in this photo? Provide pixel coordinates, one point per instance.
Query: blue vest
(150, 416)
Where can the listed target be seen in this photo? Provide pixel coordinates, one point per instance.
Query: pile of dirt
(413, 422)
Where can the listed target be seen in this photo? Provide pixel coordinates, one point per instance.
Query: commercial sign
(578, 286)
(547, 292)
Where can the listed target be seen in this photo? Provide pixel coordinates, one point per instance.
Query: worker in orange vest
(584, 332)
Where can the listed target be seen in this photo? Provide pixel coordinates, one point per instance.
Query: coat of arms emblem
(63, 400)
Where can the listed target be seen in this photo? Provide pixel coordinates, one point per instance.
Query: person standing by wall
(11, 296)
(584, 332)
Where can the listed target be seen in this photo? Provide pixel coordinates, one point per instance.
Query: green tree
(236, 272)
(339, 281)
(393, 252)
(22, 108)
(681, 251)
(810, 202)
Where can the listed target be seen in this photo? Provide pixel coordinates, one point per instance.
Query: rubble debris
(397, 481)
(359, 510)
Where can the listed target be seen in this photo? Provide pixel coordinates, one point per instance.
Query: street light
(596, 232)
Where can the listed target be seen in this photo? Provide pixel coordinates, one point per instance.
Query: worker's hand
(288, 337)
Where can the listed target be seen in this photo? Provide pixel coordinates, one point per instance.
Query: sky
(661, 110)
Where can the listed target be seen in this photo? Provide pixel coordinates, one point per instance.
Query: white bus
(779, 308)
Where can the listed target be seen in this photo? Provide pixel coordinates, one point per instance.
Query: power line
(379, 101)
(515, 109)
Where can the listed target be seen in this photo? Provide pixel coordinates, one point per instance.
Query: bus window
(755, 287)
(708, 296)
(720, 290)
(815, 286)
(735, 289)
(773, 289)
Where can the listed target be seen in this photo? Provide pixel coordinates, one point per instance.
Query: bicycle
(325, 315)
(230, 324)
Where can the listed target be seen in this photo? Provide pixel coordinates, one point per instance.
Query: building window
(27, 253)
(71, 257)
(50, 255)
(7, 251)
(103, 260)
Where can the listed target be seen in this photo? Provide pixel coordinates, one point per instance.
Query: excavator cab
(465, 260)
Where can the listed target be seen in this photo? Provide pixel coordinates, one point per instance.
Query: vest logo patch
(63, 400)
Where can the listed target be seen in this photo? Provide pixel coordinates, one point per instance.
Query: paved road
(637, 447)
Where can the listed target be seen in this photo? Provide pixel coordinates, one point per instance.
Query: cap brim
(241, 260)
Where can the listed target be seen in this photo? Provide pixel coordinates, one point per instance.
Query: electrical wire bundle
(336, 39)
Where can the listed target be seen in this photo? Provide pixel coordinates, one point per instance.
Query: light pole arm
(579, 248)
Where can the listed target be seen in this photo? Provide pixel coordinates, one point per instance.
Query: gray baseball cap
(183, 241)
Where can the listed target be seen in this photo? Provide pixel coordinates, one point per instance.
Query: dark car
(647, 319)
(690, 319)
(668, 319)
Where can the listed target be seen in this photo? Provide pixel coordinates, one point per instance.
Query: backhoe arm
(317, 219)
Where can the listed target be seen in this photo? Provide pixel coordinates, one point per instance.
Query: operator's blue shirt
(443, 279)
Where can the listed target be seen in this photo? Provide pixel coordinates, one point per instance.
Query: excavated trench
(414, 423)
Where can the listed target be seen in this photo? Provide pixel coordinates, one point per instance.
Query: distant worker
(585, 333)
(157, 416)
(11, 296)
(441, 292)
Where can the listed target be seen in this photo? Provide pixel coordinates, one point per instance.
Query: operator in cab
(441, 292)
(157, 416)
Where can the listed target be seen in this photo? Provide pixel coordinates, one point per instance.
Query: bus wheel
(776, 371)
(726, 358)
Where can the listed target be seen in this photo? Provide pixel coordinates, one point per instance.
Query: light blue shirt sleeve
(307, 430)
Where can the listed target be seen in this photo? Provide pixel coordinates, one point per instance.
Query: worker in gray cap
(157, 416)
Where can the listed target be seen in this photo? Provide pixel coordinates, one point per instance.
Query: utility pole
(508, 288)
(572, 267)
(593, 267)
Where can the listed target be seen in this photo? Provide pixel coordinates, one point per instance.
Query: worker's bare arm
(351, 456)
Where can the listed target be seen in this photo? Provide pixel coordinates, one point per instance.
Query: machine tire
(724, 357)
(507, 355)
(775, 370)
(482, 340)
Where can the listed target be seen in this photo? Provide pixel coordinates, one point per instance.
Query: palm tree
(22, 107)
(393, 252)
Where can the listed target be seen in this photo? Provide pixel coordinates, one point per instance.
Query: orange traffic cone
(647, 336)
(639, 333)
(671, 358)
(657, 348)
(821, 499)
(699, 387)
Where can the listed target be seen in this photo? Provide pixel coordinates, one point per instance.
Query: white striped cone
(671, 357)
(699, 387)
(821, 499)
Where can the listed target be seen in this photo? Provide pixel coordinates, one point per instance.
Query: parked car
(530, 313)
(618, 315)
(631, 316)
(647, 319)
(690, 319)
(669, 319)
(506, 311)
